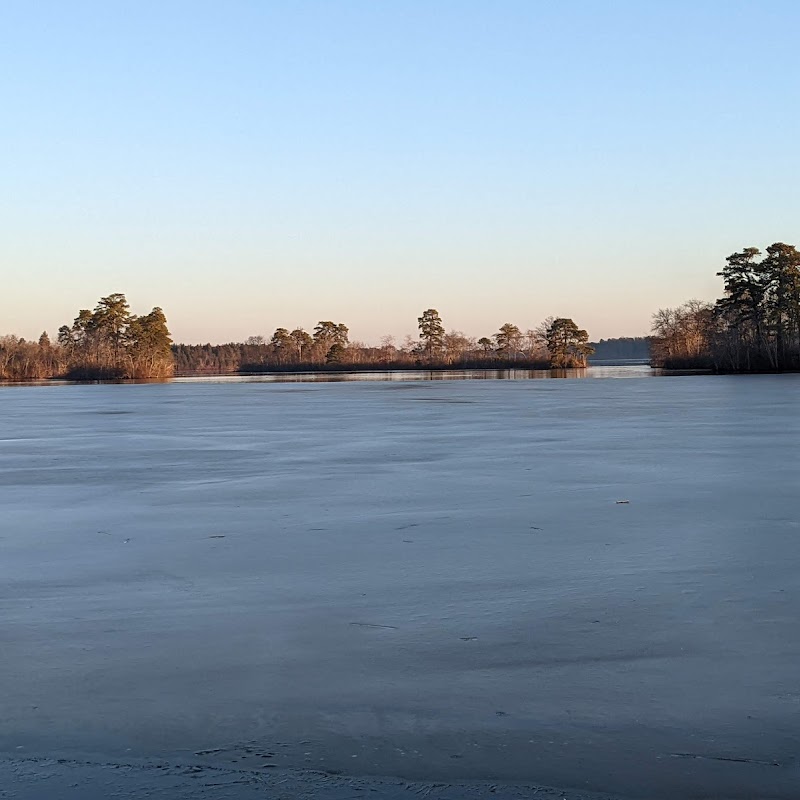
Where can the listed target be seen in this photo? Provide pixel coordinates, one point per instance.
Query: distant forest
(557, 343)
(634, 348)
(112, 343)
(753, 327)
(458, 351)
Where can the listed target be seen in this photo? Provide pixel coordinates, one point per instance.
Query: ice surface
(432, 580)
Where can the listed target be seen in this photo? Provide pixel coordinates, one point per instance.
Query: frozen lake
(431, 580)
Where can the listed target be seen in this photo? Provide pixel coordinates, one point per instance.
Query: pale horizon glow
(249, 165)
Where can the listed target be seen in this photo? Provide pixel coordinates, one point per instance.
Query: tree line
(556, 343)
(753, 327)
(110, 342)
(623, 348)
(104, 344)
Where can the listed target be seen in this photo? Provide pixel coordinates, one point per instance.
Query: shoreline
(361, 374)
(371, 373)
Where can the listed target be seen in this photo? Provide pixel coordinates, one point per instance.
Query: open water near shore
(429, 579)
(603, 369)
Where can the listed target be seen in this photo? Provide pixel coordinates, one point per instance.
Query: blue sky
(249, 165)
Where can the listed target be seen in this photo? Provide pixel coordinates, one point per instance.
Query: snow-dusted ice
(426, 579)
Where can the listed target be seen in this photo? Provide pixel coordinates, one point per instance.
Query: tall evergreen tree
(327, 334)
(431, 333)
(508, 340)
(782, 271)
(303, 342)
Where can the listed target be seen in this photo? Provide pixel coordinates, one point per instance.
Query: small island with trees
(754, 327)
(105, 344)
